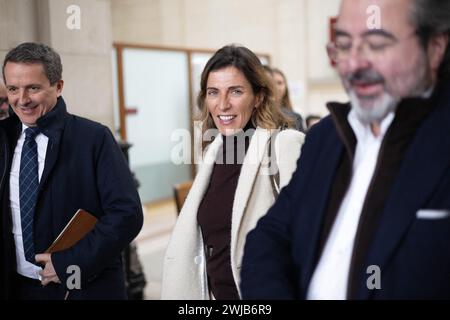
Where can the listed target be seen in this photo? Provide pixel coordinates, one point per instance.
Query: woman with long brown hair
(239, 179)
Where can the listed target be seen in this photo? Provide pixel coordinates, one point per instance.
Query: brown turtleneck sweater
(215, 212)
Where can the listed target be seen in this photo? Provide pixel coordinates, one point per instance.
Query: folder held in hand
(80, 224)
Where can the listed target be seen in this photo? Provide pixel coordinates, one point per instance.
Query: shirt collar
(364, 131)
(427, 94)
(24, 127)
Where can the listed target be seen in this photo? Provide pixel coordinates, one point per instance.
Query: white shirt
(24, 267)
(329, 281)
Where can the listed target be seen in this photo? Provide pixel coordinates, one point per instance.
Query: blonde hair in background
(285, 100)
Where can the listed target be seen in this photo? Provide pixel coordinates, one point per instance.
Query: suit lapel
(52, 125)
(50, 157)
(249, 171)
(424, 164)
(311, 224)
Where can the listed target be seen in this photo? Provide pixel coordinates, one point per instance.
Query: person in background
(236, 183)
(284, 100)
(54, 163)
(4, 106)
(311, 120)
(367, 213)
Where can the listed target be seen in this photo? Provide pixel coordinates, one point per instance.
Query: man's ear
(436, 50)
(59, 87)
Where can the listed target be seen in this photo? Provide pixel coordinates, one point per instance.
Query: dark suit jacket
(412, 253)
(84, 168)
(3, 180)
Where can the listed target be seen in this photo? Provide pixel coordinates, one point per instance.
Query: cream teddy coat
(184, 269)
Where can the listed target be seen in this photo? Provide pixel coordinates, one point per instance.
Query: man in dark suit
(367, 214)
(52, 164)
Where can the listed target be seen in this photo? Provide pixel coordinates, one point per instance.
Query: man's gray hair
(432, 17)
(31, 53)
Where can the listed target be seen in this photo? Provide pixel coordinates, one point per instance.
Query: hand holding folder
(80, 224)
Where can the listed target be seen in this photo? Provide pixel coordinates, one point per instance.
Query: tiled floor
(159, 219)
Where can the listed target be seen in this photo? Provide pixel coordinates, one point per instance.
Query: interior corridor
(159, 219)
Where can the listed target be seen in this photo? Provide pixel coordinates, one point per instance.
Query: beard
(372, 110)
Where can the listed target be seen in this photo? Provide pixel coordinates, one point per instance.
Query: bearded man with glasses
(367, 214)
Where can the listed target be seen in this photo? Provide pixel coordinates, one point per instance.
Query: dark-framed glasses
(371, 46)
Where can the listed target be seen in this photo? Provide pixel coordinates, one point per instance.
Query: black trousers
(32, 289)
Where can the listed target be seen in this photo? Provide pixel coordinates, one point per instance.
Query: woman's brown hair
(267, 115)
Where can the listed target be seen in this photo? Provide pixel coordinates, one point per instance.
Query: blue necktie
(28, 189)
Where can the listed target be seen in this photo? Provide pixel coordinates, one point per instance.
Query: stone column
(80, 31)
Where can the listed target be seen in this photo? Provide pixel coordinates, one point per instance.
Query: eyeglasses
(372, 46)
(3, 100)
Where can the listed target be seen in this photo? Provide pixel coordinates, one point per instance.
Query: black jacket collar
(50, 124)
(53, 120)
(409, 113)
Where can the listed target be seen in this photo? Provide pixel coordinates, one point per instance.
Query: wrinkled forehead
(359, 16)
